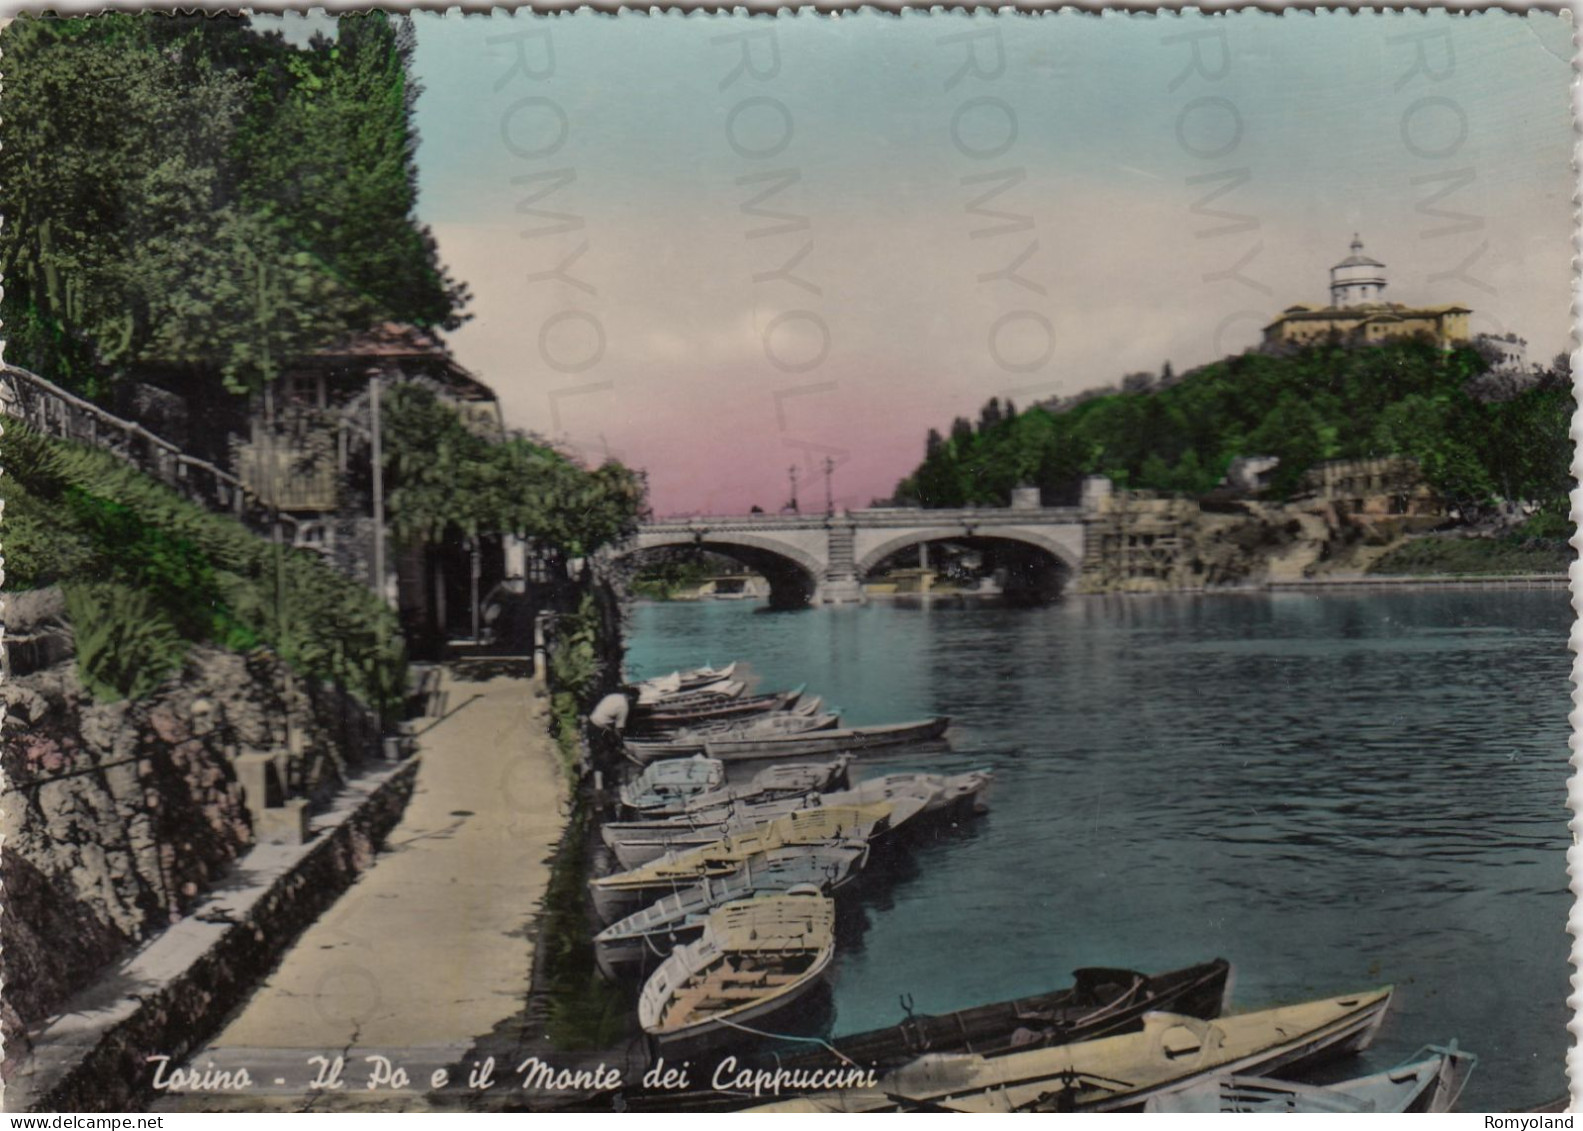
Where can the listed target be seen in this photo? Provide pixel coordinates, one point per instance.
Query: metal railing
(53, 411)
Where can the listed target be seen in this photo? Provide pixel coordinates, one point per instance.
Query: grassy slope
(149, 571)
(1509, 554)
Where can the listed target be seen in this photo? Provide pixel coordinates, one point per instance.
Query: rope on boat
(788, 1037)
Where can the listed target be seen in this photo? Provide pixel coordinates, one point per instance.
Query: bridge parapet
(970, 516)
(834, 551)
(958, 516)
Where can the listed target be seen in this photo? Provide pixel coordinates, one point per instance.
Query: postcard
(952, 560)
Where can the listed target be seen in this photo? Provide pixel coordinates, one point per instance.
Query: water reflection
(1332, 791)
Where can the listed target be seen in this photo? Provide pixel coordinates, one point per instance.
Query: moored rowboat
(784, 780)
(649, 700)
(1099, 1003)
(621, 893)
(755, 962)
(685, 681)
(674, 782)
(792, 779)
(1124, 1072)
(912, 794)
(1430, 1084)
(666, 717)
(690, 740)
(634, 945)
(825, 741)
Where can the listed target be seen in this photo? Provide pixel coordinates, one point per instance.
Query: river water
(1332, 791)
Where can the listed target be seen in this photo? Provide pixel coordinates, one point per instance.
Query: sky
(716, 247)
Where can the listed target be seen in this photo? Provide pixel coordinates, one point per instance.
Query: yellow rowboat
(755, 962)
(622, 893)
(635, 843)
(636, 944)
(1124, 1072)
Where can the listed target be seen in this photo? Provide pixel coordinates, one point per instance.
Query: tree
(441, 476)
(184, 193)
(1304, 406)
(338, 160)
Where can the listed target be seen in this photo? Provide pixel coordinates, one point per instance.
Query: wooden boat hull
(1422, 1086)
(635, 843)
(650, 700)
(679, 681)
(1122, 1073)
(690, 743)
(827, 741)
(756, 964)
(633, 956)
(635, 848)
(663, 718)
(614, 895)
(791, 779)
(1100, 1003)
(612, 904)
(628, 948)
(778, 1014)
(700, 677)
(972, 798)
(616, 902)
(666, 784)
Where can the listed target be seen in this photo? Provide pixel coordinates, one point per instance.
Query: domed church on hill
(1359, 313)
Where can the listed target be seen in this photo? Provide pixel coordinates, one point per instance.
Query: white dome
(1357, 280)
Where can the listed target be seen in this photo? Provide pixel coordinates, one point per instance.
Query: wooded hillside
(1477, 438)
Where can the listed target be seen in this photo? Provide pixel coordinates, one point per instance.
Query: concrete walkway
(431, 948)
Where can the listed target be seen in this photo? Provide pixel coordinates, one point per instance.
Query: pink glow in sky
(713, 275)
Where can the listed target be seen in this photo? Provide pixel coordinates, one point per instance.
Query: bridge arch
(793, 572)
(1032, 565)
(1069, 555)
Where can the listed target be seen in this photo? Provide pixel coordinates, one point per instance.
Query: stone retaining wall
(173, 994)
(120, 817)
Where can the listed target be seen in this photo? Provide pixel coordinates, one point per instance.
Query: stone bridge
(823, 559)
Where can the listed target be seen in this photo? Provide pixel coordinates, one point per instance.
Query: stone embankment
(1141, 543)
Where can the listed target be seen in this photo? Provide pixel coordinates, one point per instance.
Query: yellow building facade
(1358, 311)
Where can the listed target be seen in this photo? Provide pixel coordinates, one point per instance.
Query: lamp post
(377, 455)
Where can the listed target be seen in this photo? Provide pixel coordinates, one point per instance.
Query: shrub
(204, 574)
(126, 645)
(574, 655)
(1510, 554)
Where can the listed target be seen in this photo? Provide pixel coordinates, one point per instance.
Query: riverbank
(1319, 583)
(433, 948)
(1425, 581)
